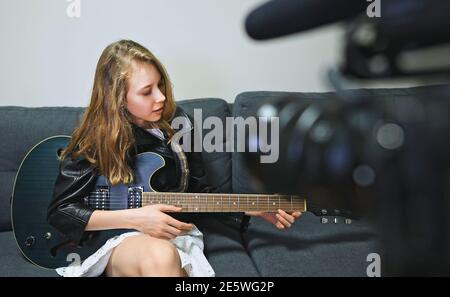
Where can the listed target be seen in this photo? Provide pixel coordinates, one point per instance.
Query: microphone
(282, 17)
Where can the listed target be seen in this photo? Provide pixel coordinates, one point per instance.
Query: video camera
(387, 159)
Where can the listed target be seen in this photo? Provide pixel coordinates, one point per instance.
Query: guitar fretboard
(218, 202)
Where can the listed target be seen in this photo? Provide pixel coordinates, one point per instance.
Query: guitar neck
(220, 202)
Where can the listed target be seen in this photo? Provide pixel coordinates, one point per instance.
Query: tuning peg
(335, 220)
(348, 221)
(324, 212)
(324, 220)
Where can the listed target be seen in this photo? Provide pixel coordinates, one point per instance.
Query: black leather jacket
(77, 178)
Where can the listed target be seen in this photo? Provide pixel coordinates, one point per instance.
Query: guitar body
(39, 242)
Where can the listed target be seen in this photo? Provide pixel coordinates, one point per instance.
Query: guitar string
(205, 203)
(204, 197)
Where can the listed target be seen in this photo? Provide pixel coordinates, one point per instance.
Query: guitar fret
(257, 201)
(205, 204)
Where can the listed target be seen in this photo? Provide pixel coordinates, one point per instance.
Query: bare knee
(160, 258)
(143, 255)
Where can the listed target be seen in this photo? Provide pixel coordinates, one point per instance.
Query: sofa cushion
(310, 248)
(224, 248)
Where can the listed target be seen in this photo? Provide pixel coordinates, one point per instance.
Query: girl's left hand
(281, 219)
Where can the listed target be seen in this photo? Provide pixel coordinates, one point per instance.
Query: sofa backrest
(217, 164)
(23, 127)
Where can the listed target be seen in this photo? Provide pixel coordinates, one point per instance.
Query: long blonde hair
(105, 136)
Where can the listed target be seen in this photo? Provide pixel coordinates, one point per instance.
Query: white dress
(190, 248)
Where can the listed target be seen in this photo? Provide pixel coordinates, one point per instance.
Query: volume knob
(30, 241)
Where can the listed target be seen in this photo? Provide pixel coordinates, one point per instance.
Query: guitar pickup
(135, 196)
(99, 198)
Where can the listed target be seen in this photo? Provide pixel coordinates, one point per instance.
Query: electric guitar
(44, 246)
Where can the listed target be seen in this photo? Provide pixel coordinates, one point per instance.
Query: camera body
(383, 159)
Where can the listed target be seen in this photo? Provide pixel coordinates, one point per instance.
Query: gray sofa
(309, 248)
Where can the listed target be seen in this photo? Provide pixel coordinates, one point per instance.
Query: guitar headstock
(329, 211)
(332, 215)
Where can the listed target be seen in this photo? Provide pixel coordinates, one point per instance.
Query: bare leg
(143, 255)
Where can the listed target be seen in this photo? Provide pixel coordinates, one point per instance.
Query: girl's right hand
(152, 220)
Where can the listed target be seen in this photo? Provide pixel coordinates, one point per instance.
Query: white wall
(48, 59)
